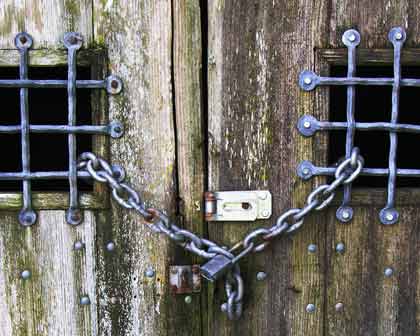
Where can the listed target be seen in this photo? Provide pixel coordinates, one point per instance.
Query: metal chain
(256, 241)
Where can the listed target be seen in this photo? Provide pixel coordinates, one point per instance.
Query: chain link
(255, 241)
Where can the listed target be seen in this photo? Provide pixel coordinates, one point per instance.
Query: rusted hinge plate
(237, 205)
(184, 279)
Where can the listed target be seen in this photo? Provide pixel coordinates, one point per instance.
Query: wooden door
(210, 102)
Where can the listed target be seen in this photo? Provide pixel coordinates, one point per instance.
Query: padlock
(216, 267)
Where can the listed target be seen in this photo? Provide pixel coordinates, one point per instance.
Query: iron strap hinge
(237, 205)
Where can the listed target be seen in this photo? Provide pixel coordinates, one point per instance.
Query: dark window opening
(373, 104)
(48, 152)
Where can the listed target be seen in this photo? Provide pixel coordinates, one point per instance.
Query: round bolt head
(305, 171)
(345, 214)
(310, 308)
(352, 37)
(262, 195)
(265, 213)
(398, 36)
(84, 300)
(261, 276)
(150, 273)
(307, 80)
(78, 245)
(389, 216)
(26, 274)
(340, 247)
(188, 299)
(388, 272)
(311, 248)
(339, 307)
(307, 124)
(110, 246)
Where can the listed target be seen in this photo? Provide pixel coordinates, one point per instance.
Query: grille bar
(113, 85)
(309, 125)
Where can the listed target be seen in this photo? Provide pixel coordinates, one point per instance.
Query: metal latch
(237, 205)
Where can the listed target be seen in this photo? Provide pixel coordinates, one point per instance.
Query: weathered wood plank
(137, 35)
(45, 20)
(48, 303)
(373, 303)
(187, 53)
(256, 50)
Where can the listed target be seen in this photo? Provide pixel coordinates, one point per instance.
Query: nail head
(26, 274)
(310, 308)
(261, 276)
(311, 248)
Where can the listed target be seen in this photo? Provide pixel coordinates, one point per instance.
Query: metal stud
(261, 276)
(310, 308)
(265, 213)
(26, 274)
(150, 273)
(307, 80)
(345, 214)
(307, 124)
(352, 37)
(388, 272)
(78, 245)
(84, 300)
(398, 36)
(312, 248)
(339, 307)
(110, 246)
(340, 248)
(188, 299)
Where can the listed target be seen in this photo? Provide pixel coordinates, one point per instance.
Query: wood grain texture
(48, 302)
(45, 20)
(138, 37)
(256, 51)
(191, 146)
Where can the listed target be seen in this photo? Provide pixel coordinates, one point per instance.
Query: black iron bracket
(308, 125)
(113, 85)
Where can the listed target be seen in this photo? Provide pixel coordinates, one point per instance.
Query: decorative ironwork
(73, 42)
(308, 125)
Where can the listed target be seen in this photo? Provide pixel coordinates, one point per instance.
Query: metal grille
(73, 42)
(309, 125)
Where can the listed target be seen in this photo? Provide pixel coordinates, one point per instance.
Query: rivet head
(265, 213)
(261, 276)
(340, 247)
(311, 248)
(389, 216)
(345, 214)
(307, 124)
(339, 307)
(352, 37)
(188, 299)
(150, 273)
(398, 36)
(388, 272)
(307, 80)
(305, 171)
(26, 274)
(78, 245)
(110, 246)
(84, 300)
(310, 308)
